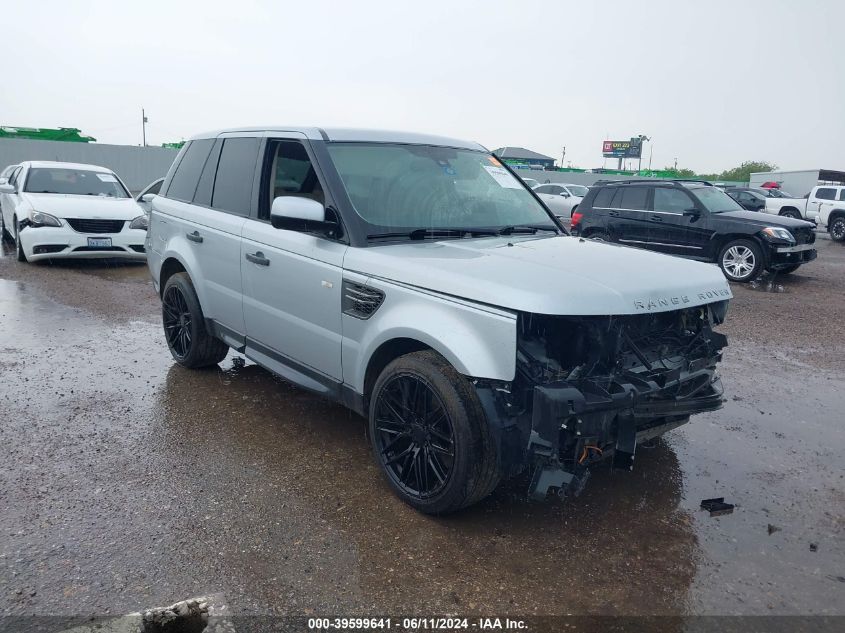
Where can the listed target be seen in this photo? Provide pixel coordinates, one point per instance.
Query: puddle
(767, 283)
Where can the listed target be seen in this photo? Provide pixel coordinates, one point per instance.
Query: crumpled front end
(589, 388)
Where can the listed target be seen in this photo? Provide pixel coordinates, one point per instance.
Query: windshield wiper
(422, 234)
(523, 228)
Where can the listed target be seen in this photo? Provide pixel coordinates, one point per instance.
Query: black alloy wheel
(177, 321)
(414, 437)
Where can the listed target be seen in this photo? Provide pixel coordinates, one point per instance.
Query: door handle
(614, 214)
(194, 237)
(656, 218)
(257, 258)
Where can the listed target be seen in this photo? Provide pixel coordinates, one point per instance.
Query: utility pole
(676, 165)
(563, 156)
(650, 152)
(144, 127)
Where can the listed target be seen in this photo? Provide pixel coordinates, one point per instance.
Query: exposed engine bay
(589, 388)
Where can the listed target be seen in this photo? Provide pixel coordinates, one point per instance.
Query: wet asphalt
(127, 481)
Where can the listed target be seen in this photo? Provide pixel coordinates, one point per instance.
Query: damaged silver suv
(418, 281)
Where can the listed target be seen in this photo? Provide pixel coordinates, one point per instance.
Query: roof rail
(652, 181)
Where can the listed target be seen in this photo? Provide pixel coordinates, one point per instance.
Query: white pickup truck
(830, 209)
(807, 208)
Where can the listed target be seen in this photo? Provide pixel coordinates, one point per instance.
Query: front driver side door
(292, 280)
(670, 230)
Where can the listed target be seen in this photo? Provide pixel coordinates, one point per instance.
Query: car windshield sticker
(503, 177)
(106, 177)
(447, 168)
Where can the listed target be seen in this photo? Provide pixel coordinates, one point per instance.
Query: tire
(791, 213)
(4, 234)
(741, 260)
(599, 236)
(788, 270)
(429, 435)
(189, 342)
(836, 228)
(18, 246)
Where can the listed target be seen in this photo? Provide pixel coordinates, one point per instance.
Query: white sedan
(54, 210)
(562, 199)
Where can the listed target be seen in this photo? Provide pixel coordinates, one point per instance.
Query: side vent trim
(360, 301)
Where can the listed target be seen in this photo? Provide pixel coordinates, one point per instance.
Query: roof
(60, 165)
(520, 152)
(352, 134)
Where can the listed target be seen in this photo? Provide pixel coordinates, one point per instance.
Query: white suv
(418, 281)
(69, 210)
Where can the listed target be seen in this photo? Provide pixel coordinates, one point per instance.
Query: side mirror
(299, 214)
(147, 197)
(693, 212)
(7, 188)
(3, 181)
(564, 194)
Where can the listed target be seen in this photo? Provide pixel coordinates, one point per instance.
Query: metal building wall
(136, 166)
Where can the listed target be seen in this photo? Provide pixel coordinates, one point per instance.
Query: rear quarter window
(826, 193)
(187, 175)
(603, 198)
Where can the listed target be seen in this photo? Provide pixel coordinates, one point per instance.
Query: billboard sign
(622, 149)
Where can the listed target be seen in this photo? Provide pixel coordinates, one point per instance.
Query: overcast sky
(713, 83)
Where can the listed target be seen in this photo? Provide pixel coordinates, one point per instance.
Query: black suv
(697, 220)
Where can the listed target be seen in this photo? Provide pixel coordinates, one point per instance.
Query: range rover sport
(418, 281)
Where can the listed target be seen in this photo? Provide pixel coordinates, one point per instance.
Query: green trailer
(70, 134)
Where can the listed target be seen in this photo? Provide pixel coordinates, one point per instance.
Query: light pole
(143, 127)
(643, 138)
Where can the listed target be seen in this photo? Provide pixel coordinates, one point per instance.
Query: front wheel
(18, 246)
(429, 435)
(837, 228)
(189, 341)
(741, 260)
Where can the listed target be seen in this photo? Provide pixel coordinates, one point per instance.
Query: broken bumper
(614, 416)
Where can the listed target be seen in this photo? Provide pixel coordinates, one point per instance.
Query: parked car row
(695, 220)
(824, 205)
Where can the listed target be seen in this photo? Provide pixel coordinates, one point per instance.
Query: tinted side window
(13, 179)
(842, 194)
(184, 182)
(671, 200)
(555, 190)
(235, 174)
(634, 198)
(206, 183)
(543, 189)
(603, 198)
(155, 188)
(827, 193)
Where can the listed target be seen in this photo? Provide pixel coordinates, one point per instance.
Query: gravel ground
(130, 482)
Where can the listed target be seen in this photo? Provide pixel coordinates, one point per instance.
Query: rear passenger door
(203, 212)
(292, 296)
(672, 232)
(820, 200)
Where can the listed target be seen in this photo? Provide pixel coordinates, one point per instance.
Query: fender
(178, 248)
(479, 341)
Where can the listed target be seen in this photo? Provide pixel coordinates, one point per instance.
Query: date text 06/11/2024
(416, 624)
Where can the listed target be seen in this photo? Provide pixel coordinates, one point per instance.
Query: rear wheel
(429, 435)
(599, 236)
(791, 213)
(184, 325)
(837, 228)
(741, 260)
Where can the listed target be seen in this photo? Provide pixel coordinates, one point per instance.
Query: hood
(755, 218)
(85, 207)
(552, 275)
